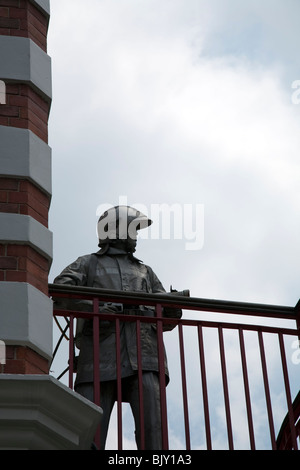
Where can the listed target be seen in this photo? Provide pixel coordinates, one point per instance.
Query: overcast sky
(187, 104)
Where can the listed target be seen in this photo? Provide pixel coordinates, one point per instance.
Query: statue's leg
(152, 416)
(107, 400)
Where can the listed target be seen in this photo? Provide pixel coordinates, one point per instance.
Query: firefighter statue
(115, 267)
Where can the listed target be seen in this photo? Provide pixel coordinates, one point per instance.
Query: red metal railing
(288, 437)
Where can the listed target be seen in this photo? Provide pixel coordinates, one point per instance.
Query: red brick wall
(22, 360)
(25, 109)
(20, 196)
(21, 263)
(28, 109)
(22, 18)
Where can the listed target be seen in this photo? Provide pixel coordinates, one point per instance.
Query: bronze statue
(115, 267)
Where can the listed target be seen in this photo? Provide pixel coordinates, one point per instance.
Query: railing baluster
(247, 391)
(225, 388)
(119, 383)
(288, 393)
(297, 308)
(96, 353)
(96, 358)
(71, 352)
(267, 390)
(204, 388)
(184, 389)
(140, 381)
(162, 379)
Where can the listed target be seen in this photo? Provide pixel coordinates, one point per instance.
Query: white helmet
(121, 223)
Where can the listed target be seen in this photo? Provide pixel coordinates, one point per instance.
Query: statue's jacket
(118, 271)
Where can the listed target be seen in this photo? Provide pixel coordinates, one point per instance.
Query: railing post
(119, 383)
(96, 353)
(96, 358)
(140, 382)
(162, 378)
(184, 389)
(288, 393)
(71, 351)
(267, 390)
(297, 309)
(225, 389)
(204, 389)
(247, 391)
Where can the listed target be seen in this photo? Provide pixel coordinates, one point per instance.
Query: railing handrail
(173, 300)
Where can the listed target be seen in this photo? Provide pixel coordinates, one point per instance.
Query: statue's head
(119, 225)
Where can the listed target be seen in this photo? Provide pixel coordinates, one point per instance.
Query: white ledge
(24, 229)
(39, 413)
(23, 60)
(25, 155)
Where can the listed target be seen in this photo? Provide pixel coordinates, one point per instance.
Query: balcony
(234, 368)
